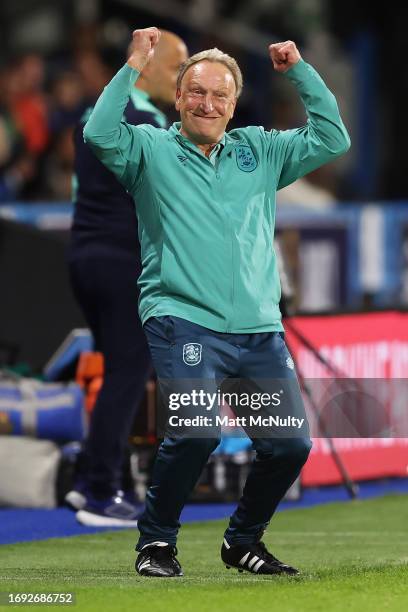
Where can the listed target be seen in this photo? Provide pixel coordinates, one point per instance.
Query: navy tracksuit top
(104, 222)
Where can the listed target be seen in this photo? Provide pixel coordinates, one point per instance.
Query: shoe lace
(262, 552)
(164, 553)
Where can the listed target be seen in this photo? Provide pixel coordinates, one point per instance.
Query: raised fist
(284, 55)
(142, 47)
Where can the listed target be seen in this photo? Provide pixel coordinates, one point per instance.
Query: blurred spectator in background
(307, 194)
(37, 120)
(58, 165)
(26, 101)
(18, 143)
(67, 102)
(17, 166)
(104, 267)
(93, 72)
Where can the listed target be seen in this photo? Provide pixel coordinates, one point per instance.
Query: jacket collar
(229, 141)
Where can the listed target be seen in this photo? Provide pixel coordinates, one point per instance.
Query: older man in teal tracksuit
(209, 287)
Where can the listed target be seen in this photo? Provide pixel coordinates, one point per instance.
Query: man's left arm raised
(297, 152)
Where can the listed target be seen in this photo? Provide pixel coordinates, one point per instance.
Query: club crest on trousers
(192, 353)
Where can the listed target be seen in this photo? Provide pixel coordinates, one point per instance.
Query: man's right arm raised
(118, 145)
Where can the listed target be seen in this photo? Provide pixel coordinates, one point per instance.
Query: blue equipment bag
(49, 411)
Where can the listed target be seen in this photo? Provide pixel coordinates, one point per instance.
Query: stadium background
(343, 230)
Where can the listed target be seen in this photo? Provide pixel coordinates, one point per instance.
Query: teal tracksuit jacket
(206, 231)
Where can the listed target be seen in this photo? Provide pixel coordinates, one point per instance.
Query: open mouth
(204, 117)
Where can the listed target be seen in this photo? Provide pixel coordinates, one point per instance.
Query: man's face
(166, 70)
(206, 101)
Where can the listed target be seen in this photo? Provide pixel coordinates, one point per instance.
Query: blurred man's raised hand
(284, 55)
(142, 48)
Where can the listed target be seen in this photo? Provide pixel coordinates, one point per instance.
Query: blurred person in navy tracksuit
(104, 263)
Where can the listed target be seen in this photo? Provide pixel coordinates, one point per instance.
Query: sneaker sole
(95, 520)
(243, 569)
(233, 566)
(76, 500)
(160, 575)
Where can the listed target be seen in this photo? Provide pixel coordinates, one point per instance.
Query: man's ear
(147, 70)
(178, 96)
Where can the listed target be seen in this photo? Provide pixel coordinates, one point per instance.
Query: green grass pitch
(353, 556)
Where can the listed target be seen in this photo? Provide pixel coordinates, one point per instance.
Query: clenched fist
(284, 55)
(142, 47)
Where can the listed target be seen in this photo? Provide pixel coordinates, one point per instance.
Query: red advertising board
(371, 345)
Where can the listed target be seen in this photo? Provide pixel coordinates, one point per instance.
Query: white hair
(213, 55)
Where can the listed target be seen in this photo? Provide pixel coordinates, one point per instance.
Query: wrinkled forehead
(209, 75)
